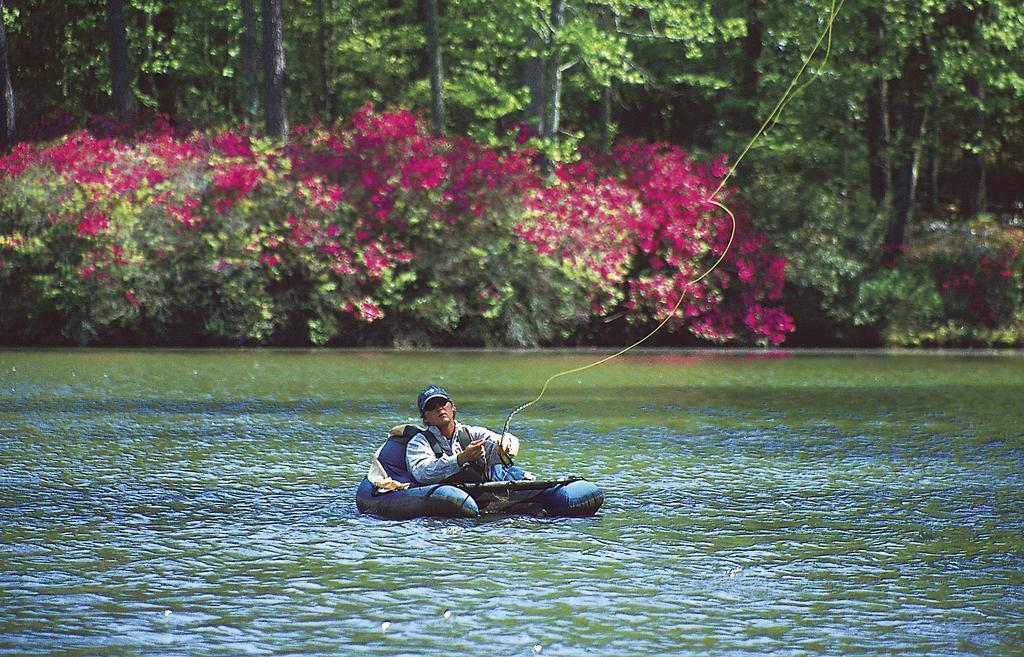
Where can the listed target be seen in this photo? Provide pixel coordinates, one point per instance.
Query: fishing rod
(519, 484)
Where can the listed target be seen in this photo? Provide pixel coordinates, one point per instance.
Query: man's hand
(473, 451)
(508, 444)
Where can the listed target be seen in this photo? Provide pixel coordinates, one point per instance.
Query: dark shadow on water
(190, 406)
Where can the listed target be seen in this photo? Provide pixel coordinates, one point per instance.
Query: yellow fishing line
(790, 92)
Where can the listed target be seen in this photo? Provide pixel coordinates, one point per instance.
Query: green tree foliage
(910, 127)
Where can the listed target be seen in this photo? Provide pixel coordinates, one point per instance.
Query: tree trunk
(436, 69)
(606, 118)
(326, 107)
(533, 76)
(904, 188)
(8, 133)
(878, 135)
(932, 166)
(915, 85)
(117, 50)
(250, 62)
(750, 76)
(972, 196)
(163, 83)
(553, 76)
(147, 84)
(276, 113)
(606, 127)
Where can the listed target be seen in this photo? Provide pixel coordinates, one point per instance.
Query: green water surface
(201, 503)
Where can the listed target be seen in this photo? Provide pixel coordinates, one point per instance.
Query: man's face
(438, 412)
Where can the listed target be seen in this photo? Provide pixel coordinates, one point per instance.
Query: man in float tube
(444, 451)
(470, 453)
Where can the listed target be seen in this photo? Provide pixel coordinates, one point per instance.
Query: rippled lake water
(201, 503)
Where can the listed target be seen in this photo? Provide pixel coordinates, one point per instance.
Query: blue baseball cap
(428, 393)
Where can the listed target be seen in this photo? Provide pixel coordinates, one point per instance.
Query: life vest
(392, 454)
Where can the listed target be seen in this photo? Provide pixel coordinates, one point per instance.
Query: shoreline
(698, 351)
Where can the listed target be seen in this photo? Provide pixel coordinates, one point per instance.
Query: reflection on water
(201, 503)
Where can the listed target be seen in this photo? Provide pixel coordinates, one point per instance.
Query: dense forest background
(892, 184)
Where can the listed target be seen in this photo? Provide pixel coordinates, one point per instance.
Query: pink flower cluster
(586, 222)
(642, 215)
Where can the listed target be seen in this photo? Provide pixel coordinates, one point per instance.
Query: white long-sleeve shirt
(426, 468)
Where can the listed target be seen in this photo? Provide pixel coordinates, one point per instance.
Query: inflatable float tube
(571, 496)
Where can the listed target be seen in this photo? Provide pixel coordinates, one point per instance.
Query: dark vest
(392, 454)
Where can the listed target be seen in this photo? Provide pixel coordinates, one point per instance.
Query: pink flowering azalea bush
(640, 223)
(959, 285)
(374, 232)
(978, 269)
